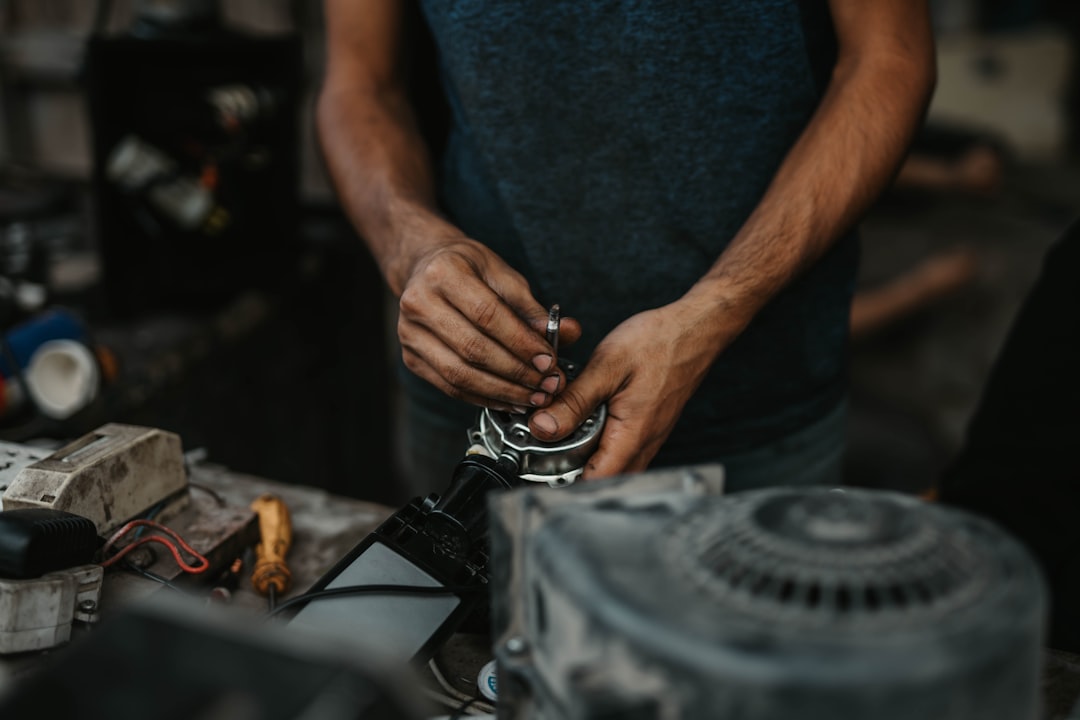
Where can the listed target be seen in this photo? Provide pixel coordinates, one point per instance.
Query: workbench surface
(327, 526)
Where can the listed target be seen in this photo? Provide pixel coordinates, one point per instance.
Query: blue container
(29, 335)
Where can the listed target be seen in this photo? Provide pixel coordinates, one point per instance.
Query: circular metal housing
(505, 435)
(769, 604)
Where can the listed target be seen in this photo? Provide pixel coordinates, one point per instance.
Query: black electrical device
(437, 541)
(195, 178)
(36, 541)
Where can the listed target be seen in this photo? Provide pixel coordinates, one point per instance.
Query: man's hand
(469, 325)
(646, 369)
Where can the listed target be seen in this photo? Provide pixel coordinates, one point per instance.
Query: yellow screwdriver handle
(275, 538)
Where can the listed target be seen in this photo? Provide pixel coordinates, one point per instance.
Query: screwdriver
(271, 576)
(553, 330)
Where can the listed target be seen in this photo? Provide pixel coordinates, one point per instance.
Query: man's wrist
(413, 229)
(717, 309)
(717, 295)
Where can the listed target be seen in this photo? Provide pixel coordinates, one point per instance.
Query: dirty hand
(469, 325)
(646, 369)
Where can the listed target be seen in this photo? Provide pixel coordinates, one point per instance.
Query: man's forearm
(848, 154)
(381, 169)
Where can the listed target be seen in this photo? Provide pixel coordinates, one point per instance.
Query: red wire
(201, 565)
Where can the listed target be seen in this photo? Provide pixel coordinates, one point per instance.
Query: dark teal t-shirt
(610, 149)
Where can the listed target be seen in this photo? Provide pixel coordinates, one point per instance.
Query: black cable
(127, 565)
(373, 589)
(209, 491)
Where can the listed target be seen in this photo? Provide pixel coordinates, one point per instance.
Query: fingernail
(542, 362)
(550, 384)
(546, 422)
(538, 399)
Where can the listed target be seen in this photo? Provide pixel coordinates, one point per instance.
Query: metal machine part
(110, 475)
(506, 436)
(776, 603)
(37, 613)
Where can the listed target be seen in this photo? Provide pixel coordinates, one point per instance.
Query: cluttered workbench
(108, 629)
(210, 535)
(210, 511)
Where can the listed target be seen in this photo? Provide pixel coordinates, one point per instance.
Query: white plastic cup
(62, 378)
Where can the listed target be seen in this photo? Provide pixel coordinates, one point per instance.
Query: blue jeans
(430, 446)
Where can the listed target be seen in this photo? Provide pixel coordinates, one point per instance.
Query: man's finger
(488, 313)
(608, 461)
(426, 356)
(621, 450)
(572, 406)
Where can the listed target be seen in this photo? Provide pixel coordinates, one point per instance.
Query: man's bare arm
(648, 367)
(848, 154)
(468, 323)
(373, 149)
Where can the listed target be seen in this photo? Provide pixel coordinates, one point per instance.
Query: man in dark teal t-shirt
(683, 178)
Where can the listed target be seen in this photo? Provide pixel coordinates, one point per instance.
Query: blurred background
(168, 233)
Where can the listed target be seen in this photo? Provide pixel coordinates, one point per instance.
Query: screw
(516, 645)
(88, 606)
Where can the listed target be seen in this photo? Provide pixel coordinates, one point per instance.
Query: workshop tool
(553, 330)
(271, 576)
(111, 475)
(47, 578)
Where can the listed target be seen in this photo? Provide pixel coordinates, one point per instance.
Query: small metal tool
(553, 330)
